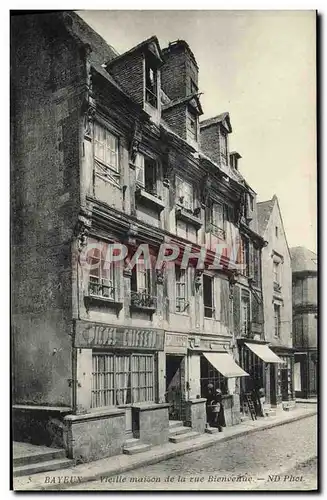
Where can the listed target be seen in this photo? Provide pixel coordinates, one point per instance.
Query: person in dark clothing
(218, 419)
(209, 397)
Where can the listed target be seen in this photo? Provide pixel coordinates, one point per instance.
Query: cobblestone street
(242, 463)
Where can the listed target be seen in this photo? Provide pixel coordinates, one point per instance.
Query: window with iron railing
(101, 275)
(142, 288)
(119, 379)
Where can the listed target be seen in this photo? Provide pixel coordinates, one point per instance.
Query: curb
(167, 455)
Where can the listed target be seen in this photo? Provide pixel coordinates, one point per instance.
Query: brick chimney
(179, 73)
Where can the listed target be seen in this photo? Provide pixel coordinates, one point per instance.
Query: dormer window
(151, 83)
(192, 125)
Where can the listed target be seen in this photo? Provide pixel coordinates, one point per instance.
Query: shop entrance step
(211, 430)
(179, 438)
(175, 423)
(177, 430)
(31, 459)
(133, 446)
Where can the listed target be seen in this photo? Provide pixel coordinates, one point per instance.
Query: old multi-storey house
(277, 299)
(305, 319)
(109, 155)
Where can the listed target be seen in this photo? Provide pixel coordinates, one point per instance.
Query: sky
(260, 66)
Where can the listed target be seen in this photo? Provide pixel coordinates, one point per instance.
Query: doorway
(273, 385)
(174, 391)
(284, 384)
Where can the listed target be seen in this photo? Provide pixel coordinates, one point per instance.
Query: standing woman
(209, 396)
(218, 409)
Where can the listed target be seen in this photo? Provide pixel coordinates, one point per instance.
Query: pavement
(81, 474)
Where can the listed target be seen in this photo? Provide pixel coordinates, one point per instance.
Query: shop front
(262, 364)
(176, 376)
(117, 388)
(282, 383)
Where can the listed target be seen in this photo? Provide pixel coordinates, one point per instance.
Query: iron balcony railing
(143, 299)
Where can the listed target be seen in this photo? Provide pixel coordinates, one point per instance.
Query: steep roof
(101, 51)
(151, 43)
(303, 259)
(217, 119)
(264, 209)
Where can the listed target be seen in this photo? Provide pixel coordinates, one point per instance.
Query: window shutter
(236, 310)
(251, 259)
(178, 188)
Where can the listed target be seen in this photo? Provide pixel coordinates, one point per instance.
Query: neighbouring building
(305, 321)
(277, 298)
(108, 149)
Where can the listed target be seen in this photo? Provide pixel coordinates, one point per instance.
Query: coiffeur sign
(118, 337)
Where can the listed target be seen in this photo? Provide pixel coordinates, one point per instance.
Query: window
(245, 255)
(209, 375)
(191, 125)
(181, 289)
(277, 319)
(101, 275)
(151, 84)
(184, 193)
(276, 272)
(119, 379)
(208, 296)
(245, 313)
(217, 219)
(106, 147)
(141, 286)
(146, 173)
(256, 265)
(223, 147)
(251, 202)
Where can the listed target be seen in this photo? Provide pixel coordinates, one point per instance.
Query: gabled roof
(101, 50)
(264, 209)
(222, 119)
(151, 44)
(303, 259)
(181, 100)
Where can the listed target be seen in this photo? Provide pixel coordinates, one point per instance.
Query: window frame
(192, 131)
(207, 307)
(99, 281)
(277, 320)
(100, 384)
(216, 229)
(103, 160)
(185, 284)
(245, 305)
(181, 184)
(152, 91)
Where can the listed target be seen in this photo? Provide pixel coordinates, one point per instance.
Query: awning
(225, 364)
(263, 352)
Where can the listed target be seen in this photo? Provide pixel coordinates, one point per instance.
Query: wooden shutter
(224, 302)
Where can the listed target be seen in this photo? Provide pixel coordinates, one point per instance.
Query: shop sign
(176, 343)
(118, 337)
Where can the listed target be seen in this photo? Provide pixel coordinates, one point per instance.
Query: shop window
(106, 147)
(181, 283)
(192, 125)
(185, 194)
(146, 174)
(277, 319)
(208, 301)
(151, 84)
(209, 375)
(101, 275)
(119, 379)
